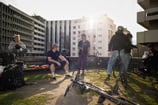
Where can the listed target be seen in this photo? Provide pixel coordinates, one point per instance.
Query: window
(74, 38)
(100, 35)
(100, 29)
(74, 27)
(73, 54)
(79, 32)
(74, 32)
(78, 26)
(73, 48)
(99, 41)
(74, 43)
(99, 47)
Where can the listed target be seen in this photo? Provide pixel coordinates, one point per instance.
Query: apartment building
(98, 30)
(149, 20)
(39, 35)
(58, 31)
(13, 21)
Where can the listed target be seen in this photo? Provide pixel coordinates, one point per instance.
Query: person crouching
(56, 60)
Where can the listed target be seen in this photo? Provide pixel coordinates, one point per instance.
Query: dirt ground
(57, 89)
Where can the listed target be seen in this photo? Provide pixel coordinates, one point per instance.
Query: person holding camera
(17, 47)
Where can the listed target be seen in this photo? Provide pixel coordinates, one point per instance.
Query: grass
(16, 98)
(139, 90)
(143, 90)
(20, 98)
(39, 76)
(34, 100)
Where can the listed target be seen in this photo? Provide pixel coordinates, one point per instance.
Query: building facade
(14, 21)
(58, 32)
(31, 29)
(98, 30)
(39, 36)
(148, 19)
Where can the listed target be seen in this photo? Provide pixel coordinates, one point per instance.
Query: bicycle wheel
(124, 80)
(67, 90)
(115, 89)
(116, 69)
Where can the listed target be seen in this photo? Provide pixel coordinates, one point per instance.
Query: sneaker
(107, 78)
(83, 73)
(54, 78)
(68, 76)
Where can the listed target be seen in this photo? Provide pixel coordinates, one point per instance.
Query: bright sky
(123, 12)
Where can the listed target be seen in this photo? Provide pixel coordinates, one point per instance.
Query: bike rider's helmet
(120, 28)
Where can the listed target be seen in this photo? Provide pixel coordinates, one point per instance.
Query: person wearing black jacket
(128, 48)
(118, 43)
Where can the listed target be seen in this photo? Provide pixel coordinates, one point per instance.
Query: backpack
(12, 77)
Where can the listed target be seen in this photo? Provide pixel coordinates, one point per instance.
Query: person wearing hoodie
(117, 45)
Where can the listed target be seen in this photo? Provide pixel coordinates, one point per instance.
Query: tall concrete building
(148, 19)
(98, 30)
(31, 28)
(58, 31)
(39, 36)
(13, 21)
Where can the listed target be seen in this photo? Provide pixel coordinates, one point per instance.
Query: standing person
(117, 46)
(17, 47)
(128, 48)
(53, 57)
(84, 47)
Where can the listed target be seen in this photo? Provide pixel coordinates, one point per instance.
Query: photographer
(17, 47)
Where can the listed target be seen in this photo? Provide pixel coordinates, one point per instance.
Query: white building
(98, 30)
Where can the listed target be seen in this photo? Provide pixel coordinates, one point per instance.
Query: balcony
(152, 14)
(39, 32)
(147, 37)
(37, 41)
(144, 3)
(37, 46)
(26, 33)
(39, 37)
(148, 18)
(26, 21)
(26, 38)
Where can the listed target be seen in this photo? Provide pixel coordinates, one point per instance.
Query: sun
(91, 22)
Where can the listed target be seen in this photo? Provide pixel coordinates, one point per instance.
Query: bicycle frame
(86, 86)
